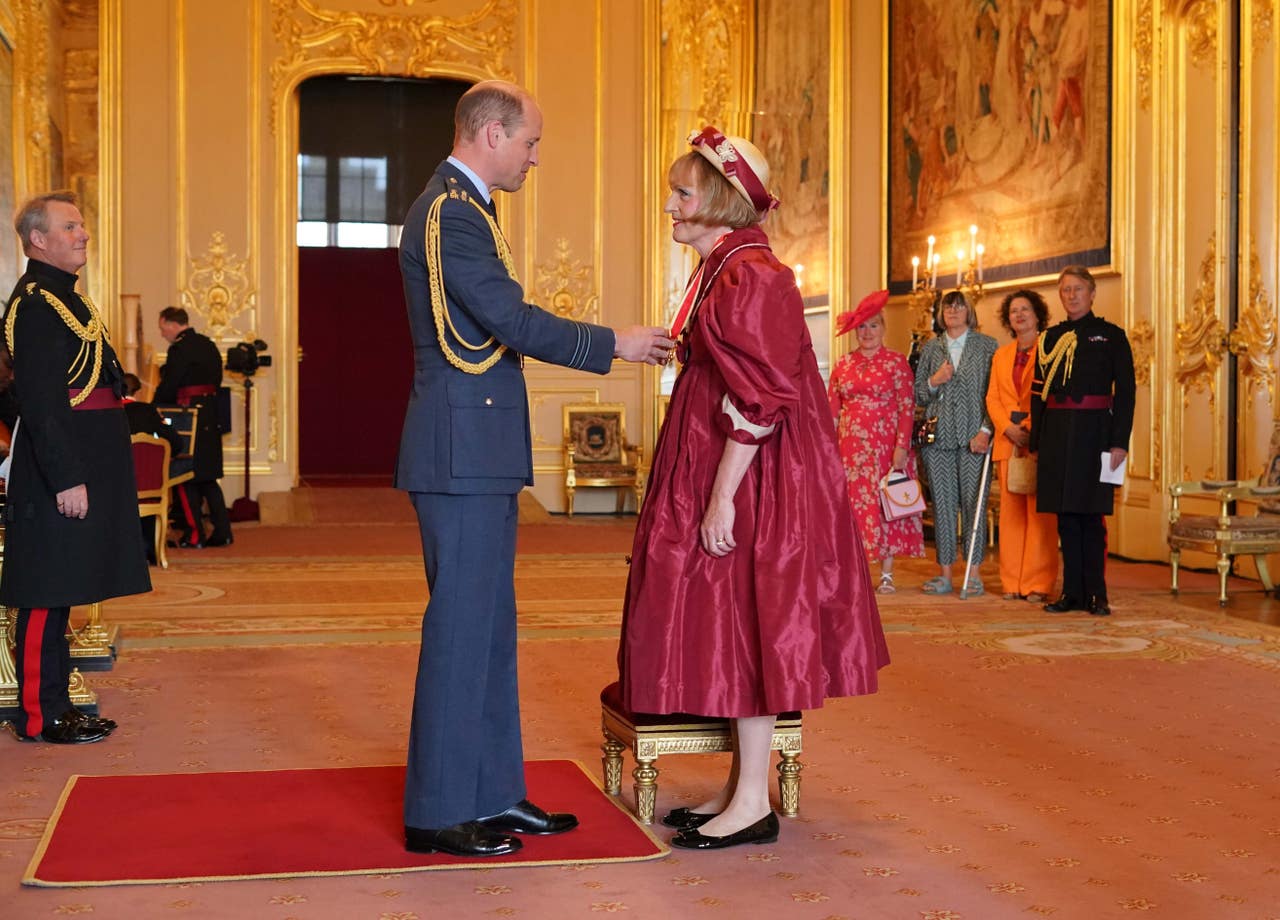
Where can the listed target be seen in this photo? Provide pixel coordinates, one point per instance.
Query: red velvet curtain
(357, 364)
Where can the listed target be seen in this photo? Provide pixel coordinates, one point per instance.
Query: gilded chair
(649, 736)
(155, 484)
(597, 454)
(1225, 534)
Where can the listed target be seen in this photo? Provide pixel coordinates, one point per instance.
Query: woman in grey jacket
(951, 384)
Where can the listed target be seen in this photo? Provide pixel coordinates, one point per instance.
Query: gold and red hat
(739, 161)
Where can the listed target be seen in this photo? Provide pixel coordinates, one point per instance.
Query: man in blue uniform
(71, 519)
(465, 454)
(1081, 409)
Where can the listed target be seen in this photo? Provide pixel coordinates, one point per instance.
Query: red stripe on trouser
(37, 621)
(186, 511)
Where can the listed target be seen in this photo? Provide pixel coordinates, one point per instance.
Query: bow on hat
(868, 307)
(739, 161)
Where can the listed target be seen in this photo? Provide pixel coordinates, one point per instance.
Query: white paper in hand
(1116, 476)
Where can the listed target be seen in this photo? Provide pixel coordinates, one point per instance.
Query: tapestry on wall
(999, 117)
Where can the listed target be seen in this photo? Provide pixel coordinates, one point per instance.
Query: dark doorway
(367, 147)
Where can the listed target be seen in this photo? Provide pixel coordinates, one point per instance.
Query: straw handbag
(1021, 475)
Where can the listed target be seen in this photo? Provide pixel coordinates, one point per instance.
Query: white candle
(973, 235)
(981, 250)
(937, 257)
(959, 265)
(928, 259)
(915, 271)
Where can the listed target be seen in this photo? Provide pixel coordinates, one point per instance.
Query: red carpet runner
(170, 827)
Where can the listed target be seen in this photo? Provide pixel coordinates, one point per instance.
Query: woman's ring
(719, 543)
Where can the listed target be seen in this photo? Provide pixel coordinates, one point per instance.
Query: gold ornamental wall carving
(31, 98)
(1142, 339)
(564, 286)
(1201, 339)
(1253, 340)
(1202, 32)
(1263, 24)
(219, 291)
(1144, 52)
(317, 40)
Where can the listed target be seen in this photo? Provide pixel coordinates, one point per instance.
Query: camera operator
(191, 375)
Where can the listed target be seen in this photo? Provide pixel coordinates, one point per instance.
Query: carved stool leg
(646, 788)
(568, 500)
(1224, 568)
(612, 761)
(789, 768)
(1174, 554)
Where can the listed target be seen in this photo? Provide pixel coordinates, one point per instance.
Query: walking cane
(978, 510)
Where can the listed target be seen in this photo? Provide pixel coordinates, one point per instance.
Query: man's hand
(1117, 456)
(643, 344)
(74, 502)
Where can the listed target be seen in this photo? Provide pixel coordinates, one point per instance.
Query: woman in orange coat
(1028, 539)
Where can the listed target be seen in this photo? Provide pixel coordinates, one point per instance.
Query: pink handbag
(900, 496)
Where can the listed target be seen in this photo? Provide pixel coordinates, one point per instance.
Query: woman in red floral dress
(873, 401)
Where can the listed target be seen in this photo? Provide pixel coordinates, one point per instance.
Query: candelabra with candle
(925, 292)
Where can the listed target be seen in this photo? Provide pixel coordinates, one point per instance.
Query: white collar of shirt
(956, 348)
(470, 174)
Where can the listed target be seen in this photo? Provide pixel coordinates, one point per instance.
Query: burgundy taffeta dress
(789, 618)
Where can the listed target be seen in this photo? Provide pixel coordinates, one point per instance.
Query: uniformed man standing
(191, 375)
(464, 457)
(71, 521)
(1081, 408)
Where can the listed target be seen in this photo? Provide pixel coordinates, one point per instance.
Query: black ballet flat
(763, 831)
(684, 819)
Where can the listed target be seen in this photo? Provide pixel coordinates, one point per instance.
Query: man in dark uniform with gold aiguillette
(71, 520)
(1081, 408)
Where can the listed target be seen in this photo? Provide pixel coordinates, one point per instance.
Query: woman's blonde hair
(722, 204)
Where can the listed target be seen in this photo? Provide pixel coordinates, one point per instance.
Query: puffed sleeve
(755, 332)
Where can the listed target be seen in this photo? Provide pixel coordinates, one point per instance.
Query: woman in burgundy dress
(872, 395)
(749, 592)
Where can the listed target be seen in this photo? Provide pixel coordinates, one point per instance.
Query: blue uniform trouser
(465, 755)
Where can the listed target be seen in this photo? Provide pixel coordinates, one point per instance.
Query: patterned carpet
(1013, 765)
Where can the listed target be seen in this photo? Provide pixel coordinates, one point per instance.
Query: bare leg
(750, 798)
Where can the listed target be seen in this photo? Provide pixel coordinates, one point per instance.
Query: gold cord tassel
(440, 307)
(91, 333)
(1062, 356)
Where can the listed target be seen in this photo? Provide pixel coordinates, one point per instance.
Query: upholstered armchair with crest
(597, 454)
(1229, 533)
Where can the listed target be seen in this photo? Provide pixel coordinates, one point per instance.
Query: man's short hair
(34, 215)
(490, 100)
(174, 315)
(722, 204)
(1079, 271)
(131, 384)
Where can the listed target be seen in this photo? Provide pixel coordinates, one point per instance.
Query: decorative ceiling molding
(313, 40)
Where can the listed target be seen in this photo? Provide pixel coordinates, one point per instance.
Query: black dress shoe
(1099, 607)
(763, 831)
(1063, 605)
(184, 543)
(683, 818)
(470, 838)
(95, 721)
(526, 818)
(217, 540)
(67, 729)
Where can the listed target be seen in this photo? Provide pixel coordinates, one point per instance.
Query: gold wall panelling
(31, 99)
(273, 434)
(316, 40)
(1253, 340)
(565, 286)
(538, 400)
(1201, 339)
(220, 293)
